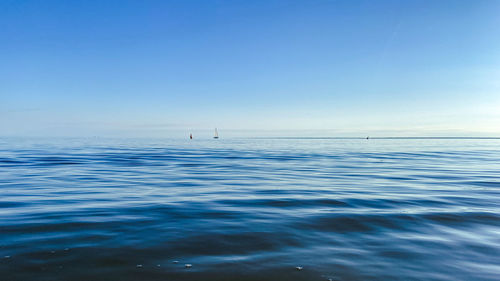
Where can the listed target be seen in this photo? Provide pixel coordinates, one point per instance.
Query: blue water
(250, 209)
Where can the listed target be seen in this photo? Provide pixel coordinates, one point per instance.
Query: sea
(249, 209)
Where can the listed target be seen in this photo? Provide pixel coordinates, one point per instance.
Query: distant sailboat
(191, 136)
(216, 136)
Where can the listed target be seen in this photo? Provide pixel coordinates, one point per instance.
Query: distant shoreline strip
(403, 138)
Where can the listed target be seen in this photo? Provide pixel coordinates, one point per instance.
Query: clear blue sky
(164, 68)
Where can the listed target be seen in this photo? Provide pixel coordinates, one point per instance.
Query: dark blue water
(250, 209)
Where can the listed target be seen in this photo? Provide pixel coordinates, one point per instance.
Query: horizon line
(272, 137)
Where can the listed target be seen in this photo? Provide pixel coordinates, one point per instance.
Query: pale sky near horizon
(329, 68)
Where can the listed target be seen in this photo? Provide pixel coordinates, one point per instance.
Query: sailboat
(216, 136)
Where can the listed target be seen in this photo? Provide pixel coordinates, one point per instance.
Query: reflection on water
(250, 209)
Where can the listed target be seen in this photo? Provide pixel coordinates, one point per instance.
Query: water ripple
(250, 209)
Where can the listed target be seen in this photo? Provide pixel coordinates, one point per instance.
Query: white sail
(216, 136)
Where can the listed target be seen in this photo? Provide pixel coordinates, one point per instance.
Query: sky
(305, 68)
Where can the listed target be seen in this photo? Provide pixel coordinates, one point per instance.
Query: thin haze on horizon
(327, 68)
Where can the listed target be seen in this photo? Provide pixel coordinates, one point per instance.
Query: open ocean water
(250, 209)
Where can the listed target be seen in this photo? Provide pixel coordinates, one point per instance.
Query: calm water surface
(250, 209)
